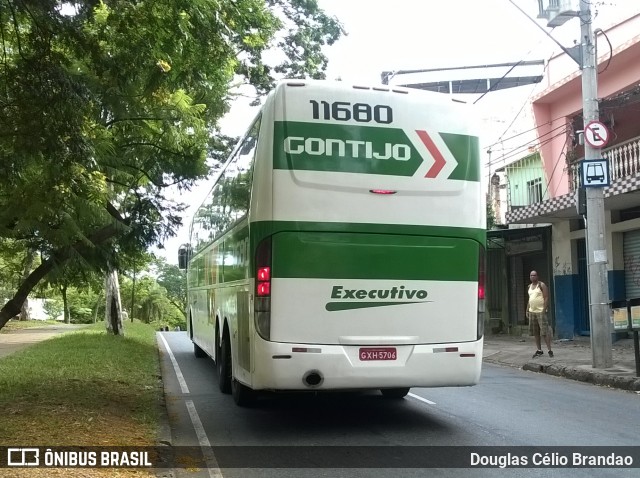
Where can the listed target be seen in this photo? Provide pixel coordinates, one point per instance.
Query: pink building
(557, 110)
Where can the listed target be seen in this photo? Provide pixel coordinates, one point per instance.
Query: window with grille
(534, 191)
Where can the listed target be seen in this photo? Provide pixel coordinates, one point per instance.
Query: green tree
(74, 274)
(53, 308)
(12, 256)
(174, 282)
(81, 302)
(106, 103)
(152, 304)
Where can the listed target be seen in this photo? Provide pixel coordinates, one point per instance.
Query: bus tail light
(263, 278)
(262, 303)
(482, 275)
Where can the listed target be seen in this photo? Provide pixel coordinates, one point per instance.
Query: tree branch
(180, 307)
(113, 211)
(17, 28)
(145, 174)
(141, 118)
(175, 153)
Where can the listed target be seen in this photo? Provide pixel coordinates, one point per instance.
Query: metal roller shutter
(632, 264)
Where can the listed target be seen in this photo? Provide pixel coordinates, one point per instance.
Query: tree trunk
(113, 311)
(65, 304)
(28, 265)
(95, 309)
(24, 311)
(133, 291)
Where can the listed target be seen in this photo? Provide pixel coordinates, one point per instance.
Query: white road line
(413, 395)
(176, 367)
(207, 451)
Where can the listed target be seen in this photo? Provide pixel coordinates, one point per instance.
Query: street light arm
(571, 54)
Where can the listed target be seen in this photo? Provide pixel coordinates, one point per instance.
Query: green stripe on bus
(364, 150)
(466, 151)
(344, 148)
(458, 264)
(337, 306)
(262, 229)
(331, 255)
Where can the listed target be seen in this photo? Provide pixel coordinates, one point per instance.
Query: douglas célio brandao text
(550, 459)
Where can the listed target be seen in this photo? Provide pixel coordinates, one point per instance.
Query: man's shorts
(538, 323)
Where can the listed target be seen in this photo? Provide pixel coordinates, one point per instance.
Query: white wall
(561, 247)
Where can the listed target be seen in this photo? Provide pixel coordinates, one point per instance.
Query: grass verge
(83, 388)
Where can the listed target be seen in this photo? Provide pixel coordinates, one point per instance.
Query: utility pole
(599, 313)
(558, 12)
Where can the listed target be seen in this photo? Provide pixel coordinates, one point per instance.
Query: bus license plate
(379, 353)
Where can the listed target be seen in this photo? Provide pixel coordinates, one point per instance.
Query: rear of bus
(369, 234)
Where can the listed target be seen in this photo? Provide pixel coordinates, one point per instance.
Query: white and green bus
(342, 246)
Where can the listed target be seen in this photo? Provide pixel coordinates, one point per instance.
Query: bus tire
(198, 352)
(242, 395)
(396, 393)
(223, 364)
(216, 343)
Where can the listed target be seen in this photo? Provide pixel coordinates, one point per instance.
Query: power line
(532, 129)
(532, 142)
(600, 30)
(562, 153)
(526, 101)
(537, 141)
(498, 82)
(544, 143)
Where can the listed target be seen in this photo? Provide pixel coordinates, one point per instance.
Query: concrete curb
(588, 376)
(164, 431)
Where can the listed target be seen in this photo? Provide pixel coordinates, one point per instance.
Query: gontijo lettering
(346, 148)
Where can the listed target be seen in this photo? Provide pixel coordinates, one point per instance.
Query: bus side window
(210, 219)
(238, 176)
(229, 199)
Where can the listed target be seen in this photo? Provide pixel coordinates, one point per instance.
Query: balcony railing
(624, 161)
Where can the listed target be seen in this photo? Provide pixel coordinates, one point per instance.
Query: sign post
(596, 137)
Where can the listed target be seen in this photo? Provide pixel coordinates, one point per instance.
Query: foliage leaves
(105, 103)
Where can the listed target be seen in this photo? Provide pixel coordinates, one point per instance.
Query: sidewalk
(14, 340)
(572, 359)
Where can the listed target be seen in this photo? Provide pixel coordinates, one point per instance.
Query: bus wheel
(394, 392)
(242, 395)
(216, 344)
(224, 364)
(198, 352)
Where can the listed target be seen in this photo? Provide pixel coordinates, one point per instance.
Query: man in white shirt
(537, 309)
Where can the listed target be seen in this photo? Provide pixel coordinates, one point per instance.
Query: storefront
(512, 255)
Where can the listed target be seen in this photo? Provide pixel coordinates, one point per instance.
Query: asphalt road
(337, 432)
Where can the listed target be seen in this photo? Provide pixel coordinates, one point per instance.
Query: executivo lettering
(365, 298)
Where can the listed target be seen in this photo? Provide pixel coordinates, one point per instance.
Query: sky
(391, 35)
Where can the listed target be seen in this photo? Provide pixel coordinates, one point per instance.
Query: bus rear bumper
(285, 366)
